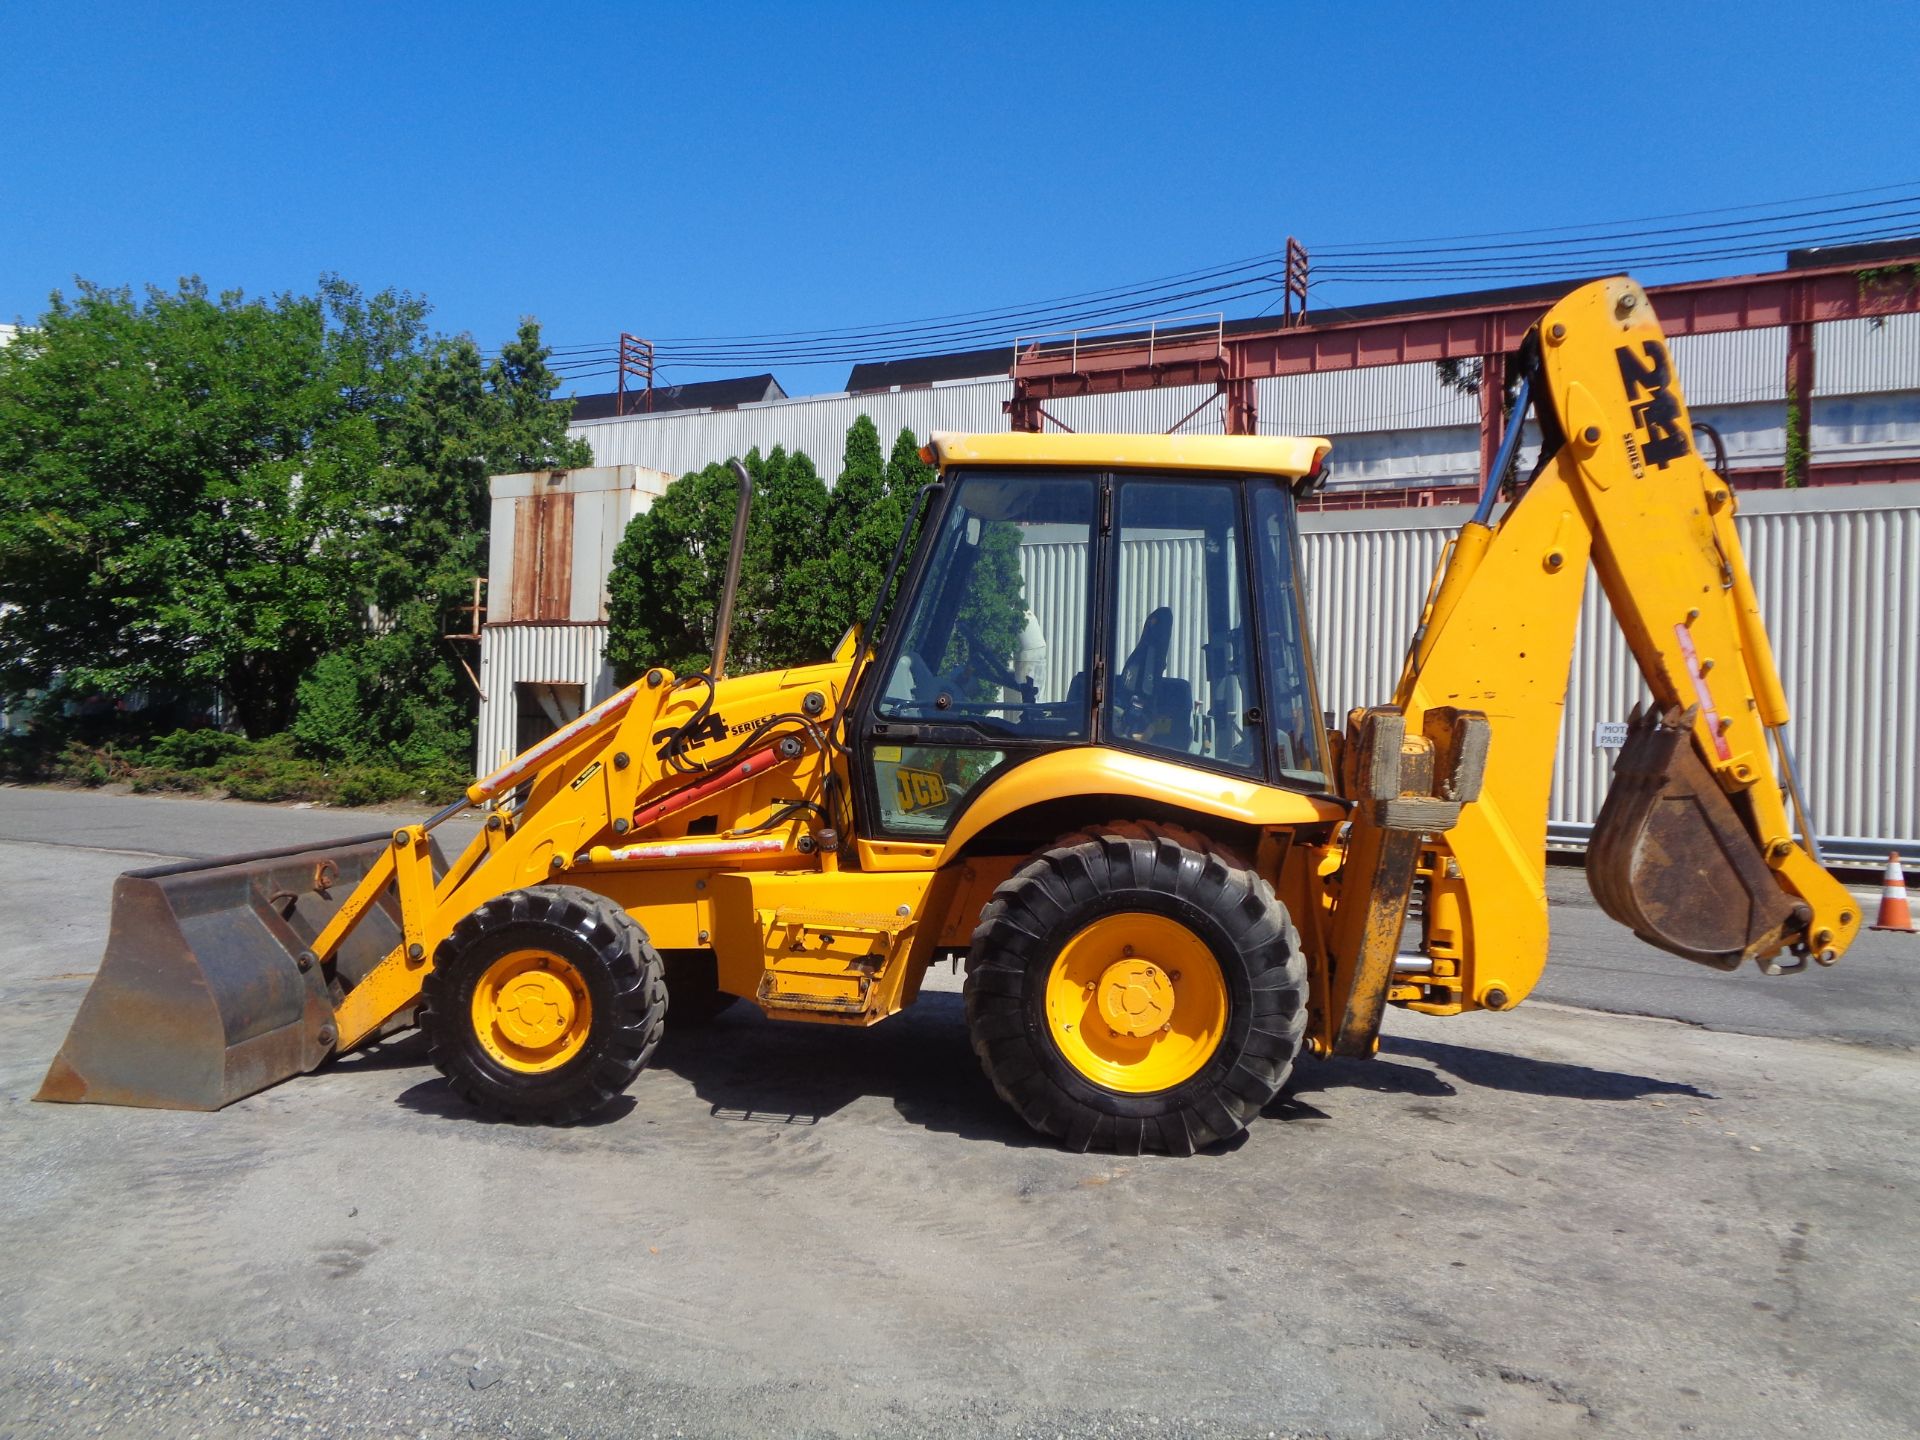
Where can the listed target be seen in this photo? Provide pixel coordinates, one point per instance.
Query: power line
(1764, 228)
(1789, 235)
(1044, 312)
(1642, 220)
(1645, 258)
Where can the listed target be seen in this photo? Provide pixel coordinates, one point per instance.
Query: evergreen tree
(907, 472)
(664, 586)
(789, 576)
(813, 565)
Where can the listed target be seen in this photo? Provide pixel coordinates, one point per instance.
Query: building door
(542, 707)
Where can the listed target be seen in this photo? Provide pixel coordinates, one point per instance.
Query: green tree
(202, 490)
(396, 691)
(994, 611)
(788, 574)
(906, 471)
(863, 524)
(814, 559)
(663, 591)
(182, 486)
(664, 585)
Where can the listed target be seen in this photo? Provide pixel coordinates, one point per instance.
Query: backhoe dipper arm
(1693, 848)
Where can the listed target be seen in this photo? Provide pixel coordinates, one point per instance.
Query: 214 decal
(1655, 404)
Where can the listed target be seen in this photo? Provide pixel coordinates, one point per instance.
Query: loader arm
(1694, 848)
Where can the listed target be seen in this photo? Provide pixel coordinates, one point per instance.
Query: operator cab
(1149, 604)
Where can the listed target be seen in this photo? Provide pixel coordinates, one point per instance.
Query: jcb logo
(1662, 438)
(919, 789)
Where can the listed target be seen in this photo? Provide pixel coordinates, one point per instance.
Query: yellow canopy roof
(1288, 455)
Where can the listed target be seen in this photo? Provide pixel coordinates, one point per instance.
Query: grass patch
(211, 762)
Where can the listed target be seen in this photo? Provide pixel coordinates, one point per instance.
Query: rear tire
(1061, 918)
(544, 1004)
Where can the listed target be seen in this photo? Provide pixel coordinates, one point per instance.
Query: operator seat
(1151, 705)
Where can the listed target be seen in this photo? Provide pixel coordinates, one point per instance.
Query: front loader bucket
(1671, 859)
(201, 997)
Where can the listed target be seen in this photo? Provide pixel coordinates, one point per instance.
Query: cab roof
(1291, 456)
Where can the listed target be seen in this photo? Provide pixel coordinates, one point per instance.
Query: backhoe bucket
(1671, 859)
(202, 996)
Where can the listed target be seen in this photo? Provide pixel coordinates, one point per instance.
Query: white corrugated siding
(1355, 402)
(1054, 577)
(1731, 369)
(1138, 412)
(1392, 424)
(682, 441)
(534, 654)
(1838, 576)
(1863, 357)
(1365, 587)
(1168, 570)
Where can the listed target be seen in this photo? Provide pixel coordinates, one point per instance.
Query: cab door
(987, 659)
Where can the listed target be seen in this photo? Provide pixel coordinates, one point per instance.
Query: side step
(823, 962)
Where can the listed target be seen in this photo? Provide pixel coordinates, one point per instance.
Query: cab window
(997, 635)
(1298, 735)
(1181, 660)
(993, 649)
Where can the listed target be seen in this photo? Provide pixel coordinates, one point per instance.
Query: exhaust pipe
(723, 623)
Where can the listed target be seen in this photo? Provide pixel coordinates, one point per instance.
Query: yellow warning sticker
(886, 752)
(585, 775)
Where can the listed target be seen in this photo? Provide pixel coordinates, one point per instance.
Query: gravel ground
(1549, 1223)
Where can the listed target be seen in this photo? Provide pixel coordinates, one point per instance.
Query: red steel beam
(1695, 307)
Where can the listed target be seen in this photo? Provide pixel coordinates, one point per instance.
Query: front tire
(1129, 992)
(544, 1004)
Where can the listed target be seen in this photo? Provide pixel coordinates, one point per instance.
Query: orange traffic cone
(1894, 912)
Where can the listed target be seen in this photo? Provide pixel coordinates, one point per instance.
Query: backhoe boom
(1694, 848)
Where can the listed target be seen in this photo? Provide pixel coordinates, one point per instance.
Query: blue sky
(686, 170)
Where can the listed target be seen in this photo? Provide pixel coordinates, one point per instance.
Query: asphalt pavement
(1871, 997)
(1551, 1223)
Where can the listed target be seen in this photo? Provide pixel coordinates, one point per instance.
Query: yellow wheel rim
(1136, 1002)
(531, 1011)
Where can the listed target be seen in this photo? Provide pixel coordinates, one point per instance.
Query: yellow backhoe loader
(1080, 746)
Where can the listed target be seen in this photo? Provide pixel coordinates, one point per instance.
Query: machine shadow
(752, 1069)
(406, 1050)
(1381, 1076)
(433, 1096)
(1485, 1069)
(435, 1099)
(1556, 1079)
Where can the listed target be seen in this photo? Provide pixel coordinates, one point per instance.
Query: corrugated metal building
(543, 646)
(1838, 574)
(1395, 425)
